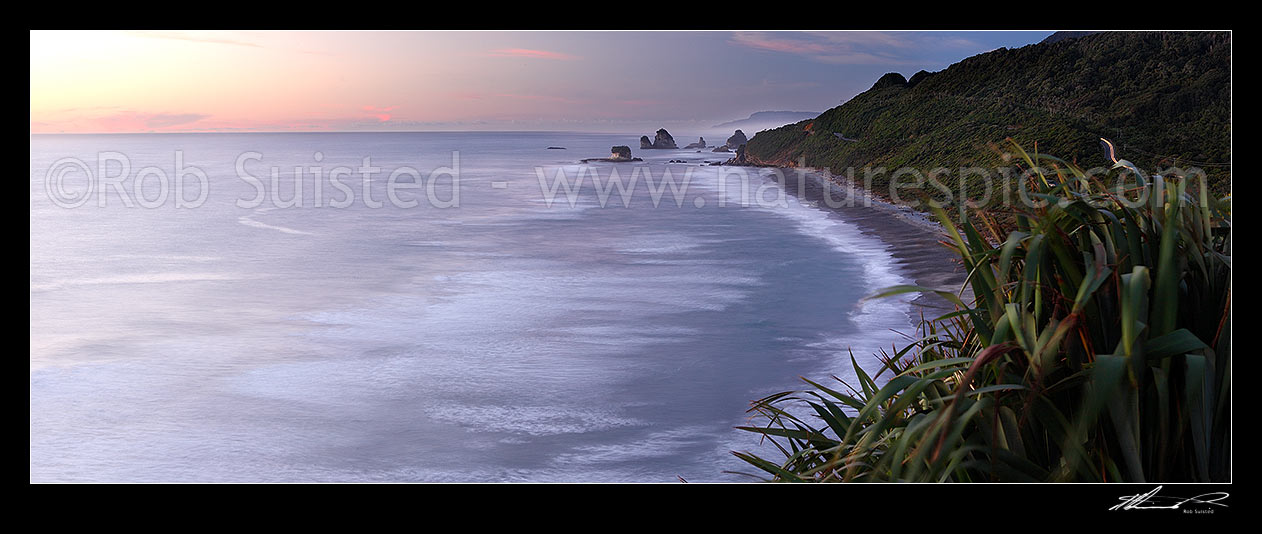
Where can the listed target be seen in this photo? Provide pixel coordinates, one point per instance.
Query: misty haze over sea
(499, 340)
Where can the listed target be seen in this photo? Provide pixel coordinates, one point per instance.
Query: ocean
(253, 307)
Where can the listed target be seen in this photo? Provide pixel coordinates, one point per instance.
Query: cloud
(119, 122)
(381, 113)
(473, 95)
(538, 98)
(181, 36)
(639, 102)
(792, 45)
(216, 39)
(165, 120)
(528, 53)
(132, 121)
(836, 49)
(851, 47)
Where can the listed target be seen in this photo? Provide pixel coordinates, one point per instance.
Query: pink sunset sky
(198, 81)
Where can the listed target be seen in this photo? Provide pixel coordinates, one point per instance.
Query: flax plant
(1096, 348)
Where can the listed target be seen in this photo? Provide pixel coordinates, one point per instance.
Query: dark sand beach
(914, 238)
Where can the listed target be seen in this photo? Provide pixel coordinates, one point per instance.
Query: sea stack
(664, 140)
(699, 144)
(661, 140)
(737, 139)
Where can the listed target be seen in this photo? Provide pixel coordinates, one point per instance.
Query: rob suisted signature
(1152, 501)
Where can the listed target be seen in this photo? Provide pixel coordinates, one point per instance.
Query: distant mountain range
(766, 119)
(1164, 98)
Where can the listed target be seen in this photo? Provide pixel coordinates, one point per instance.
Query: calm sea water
(503, 339)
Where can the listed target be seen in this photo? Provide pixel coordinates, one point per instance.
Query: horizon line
(334, 132)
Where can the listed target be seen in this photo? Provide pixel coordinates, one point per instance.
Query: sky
(203, 81)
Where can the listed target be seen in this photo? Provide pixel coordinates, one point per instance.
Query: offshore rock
(616, 154)
(661, 140)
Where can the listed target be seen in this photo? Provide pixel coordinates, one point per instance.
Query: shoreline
(913, 239)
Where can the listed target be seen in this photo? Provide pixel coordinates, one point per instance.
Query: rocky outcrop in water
(737, 139)
(617, 153)
(699, 144)
(741, 159)
(661, 140)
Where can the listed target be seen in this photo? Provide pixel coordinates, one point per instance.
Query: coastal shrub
(1064, 95)
(1096, 347)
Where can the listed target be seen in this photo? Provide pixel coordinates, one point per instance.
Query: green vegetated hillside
(1164, 99)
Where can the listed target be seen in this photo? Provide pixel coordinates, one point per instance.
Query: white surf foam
(882, 319)
(246, 220)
